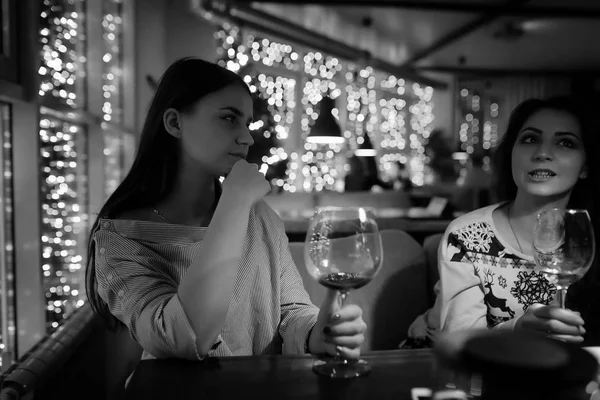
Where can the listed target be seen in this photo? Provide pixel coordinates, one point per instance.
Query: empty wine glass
(564, 247)
(343, 251)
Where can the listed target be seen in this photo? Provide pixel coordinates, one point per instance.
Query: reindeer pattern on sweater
(509, 282)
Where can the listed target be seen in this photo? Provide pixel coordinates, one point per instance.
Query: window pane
(62, 55)
(7, 266)
(112, 76)
(63, 162)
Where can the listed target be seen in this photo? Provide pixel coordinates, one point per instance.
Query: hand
(338, 331)
(553, 321)
(246, 182)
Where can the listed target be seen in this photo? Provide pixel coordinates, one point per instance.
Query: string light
(112, 88)
(64, 215)
(8, 284)
(396, 115)
(421, 119)
(61, 60)
(277, 93)
(62, 158)
(479, 121)
(111, 74)
(319, 164)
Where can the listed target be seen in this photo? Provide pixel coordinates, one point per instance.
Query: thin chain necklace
(160, 215)
(512, 229)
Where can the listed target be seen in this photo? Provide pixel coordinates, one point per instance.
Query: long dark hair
(585, 194)
(152, 174)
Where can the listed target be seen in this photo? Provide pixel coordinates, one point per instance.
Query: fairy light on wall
(396, 115)
(62, 62)
(318, 165)
(393, 127)
(421, 119)
(112, 25)
(361, 104)
(64, 215)
(280, 94)
(62, 158)
(275, 102)
(479, 121)
(7, 285)
(112, 88)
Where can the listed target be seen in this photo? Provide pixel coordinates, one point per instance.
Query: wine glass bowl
(564, 246)
(343, 252)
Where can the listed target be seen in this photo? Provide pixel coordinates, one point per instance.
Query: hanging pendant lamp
(326, 129)
(365, 149)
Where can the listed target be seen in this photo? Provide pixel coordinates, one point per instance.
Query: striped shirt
(139, 265)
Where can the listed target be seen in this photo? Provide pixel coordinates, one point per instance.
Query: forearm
(205, 290)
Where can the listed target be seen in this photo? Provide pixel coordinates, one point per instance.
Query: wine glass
(564, 247)
(343, 251)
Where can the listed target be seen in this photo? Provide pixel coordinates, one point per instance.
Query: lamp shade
(325, 130)
(365, 149)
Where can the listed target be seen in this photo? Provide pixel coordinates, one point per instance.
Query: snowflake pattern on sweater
(509, 282)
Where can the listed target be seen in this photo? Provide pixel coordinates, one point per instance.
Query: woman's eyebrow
(530, 128)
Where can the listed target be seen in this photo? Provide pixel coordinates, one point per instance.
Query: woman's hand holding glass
(338, 331)
(558, 323)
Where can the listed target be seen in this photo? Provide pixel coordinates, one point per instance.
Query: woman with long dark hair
(195, 268)
(546, 159)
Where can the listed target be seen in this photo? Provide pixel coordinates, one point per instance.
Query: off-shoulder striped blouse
(139, 265)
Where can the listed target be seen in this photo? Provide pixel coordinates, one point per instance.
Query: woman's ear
(584, 173)
(172, 123)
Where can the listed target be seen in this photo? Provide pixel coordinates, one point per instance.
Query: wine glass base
(340, 368)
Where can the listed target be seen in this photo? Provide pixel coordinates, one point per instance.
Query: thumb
(535, 306)
(533, 309)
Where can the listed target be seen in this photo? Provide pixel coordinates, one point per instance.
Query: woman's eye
(230, 118)
(528, 139)
(567, 143)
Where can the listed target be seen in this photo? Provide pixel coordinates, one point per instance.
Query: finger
(349, 353)
(551, 326)
(351, 328)
(568, 338)
(351, 342)
(560, 314)
(560, 328)
(349, 312)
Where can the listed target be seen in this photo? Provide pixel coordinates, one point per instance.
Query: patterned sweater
(484, 282)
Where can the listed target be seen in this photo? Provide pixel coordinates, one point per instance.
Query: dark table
(280, 377)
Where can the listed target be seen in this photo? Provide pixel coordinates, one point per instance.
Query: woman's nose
(543, 153)
(246, 138)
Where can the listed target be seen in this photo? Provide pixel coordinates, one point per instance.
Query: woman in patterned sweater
(547, 158)
(193, 268)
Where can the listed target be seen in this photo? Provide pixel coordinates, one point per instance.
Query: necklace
(513, 230)
(160, 215)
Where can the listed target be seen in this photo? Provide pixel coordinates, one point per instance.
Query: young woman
(487, 272)
(194, 268)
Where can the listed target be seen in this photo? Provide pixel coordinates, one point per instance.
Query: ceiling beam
(496, 72)
(514, 10)
(458, 33)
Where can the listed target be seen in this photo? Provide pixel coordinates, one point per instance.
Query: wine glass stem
(343, 295)
(342, 299)
(562, 296)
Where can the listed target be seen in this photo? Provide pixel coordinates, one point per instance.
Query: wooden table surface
(393, 375)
